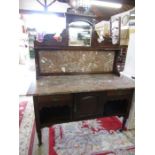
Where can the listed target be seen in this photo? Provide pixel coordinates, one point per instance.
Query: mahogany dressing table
(77, 83)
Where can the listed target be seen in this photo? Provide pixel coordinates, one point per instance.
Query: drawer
(119, 92)
(54, 100)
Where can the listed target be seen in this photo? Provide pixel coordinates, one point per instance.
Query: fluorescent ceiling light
(74, 3)
(106, 4)
(132, 15)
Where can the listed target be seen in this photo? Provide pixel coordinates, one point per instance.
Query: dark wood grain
(81, 106)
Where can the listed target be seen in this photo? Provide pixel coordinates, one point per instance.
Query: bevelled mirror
(80, 33)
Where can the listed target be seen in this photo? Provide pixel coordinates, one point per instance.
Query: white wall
(30, 5)
(129, 71)
(129, 68)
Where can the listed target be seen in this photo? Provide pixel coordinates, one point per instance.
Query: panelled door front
(88, 105)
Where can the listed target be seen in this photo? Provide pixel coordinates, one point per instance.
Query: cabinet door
(87, 105)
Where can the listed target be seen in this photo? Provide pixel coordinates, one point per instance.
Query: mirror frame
(70, 18)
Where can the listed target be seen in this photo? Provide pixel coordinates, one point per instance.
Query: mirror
(80, 33)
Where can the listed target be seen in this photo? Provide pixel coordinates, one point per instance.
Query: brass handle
(88, 97)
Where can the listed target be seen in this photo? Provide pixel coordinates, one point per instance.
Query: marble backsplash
(76, 61)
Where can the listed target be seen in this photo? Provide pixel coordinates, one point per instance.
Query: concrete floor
(26, 76)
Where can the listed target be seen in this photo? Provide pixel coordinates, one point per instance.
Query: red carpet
(22, 107)
(129, 151)
(110, 124)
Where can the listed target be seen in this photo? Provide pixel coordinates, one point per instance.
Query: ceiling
(106, 13)
(98, 11)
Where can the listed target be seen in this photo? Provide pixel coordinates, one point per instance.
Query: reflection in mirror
(80, 34)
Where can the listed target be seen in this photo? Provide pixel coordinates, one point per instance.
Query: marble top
(70, 61)
(63, 84)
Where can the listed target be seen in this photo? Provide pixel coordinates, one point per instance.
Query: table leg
(39, 137)
(123, 124)
(37, 121)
